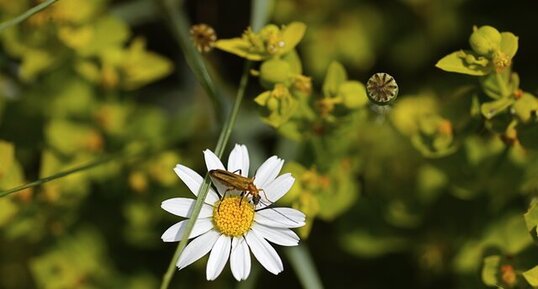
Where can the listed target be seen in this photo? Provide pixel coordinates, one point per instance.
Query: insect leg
(242, 196)
(265, 196)
(223, 195)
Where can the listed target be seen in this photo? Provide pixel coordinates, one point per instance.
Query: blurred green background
(415, 198)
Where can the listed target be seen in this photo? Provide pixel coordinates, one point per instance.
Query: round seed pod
(382, 89)
(485, 40)
(203, 36)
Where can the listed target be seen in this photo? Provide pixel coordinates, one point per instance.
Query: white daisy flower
(233, 226)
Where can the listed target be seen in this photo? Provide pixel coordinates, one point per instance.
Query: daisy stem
(27, 14)
(204, 188)
(302, 263)
(177, 18)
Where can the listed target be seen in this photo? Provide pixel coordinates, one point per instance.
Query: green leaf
(526, 107)
(275, 71)
(531, 219)
(293, 59)
(263, 98)
(239, 47)
(292, 35)
(509, 44)
(532, 276)
(457, 62)
(492, 108)
(34, 62)
(107, 32)
(509, 234)
(336, 75)
(140, 67)
(490, 270)
(71, 138)
(408, 111)
(353, 94)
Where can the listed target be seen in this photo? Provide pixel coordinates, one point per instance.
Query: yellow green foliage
(90, 39)
(269, 42)
(77, 261)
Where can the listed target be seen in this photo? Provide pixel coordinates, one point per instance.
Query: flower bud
(274, 71)
(485, 40)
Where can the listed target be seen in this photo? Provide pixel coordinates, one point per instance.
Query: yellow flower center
(233, 216)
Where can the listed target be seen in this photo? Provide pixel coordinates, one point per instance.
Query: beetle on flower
(231, 228)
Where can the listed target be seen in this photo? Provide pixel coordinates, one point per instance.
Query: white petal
(279, 236)
(183, 207)
(280, 217)
(268, 171)
(274, 190)
(239, 160)
(175, 233)
(197, 248)
(193, 181)
(212, 162)
(265, 253)
(240, 259)
(218, 257)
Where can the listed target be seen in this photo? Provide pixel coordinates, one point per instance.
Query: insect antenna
(267, 207)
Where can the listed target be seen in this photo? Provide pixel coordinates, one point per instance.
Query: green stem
(230, 122)
(26, 14)
(59, 175)
(181, 32)
(302, 263)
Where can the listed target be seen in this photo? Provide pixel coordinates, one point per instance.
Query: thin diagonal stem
(57, 176)
(27, 14)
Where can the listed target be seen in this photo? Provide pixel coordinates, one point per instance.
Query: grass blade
(27, 14)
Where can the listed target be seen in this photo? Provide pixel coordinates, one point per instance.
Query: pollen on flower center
(233, 215)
